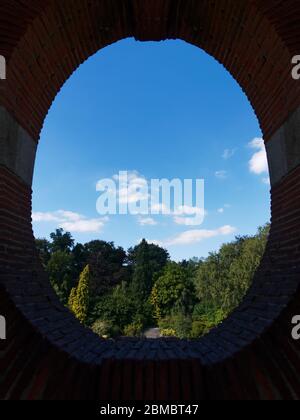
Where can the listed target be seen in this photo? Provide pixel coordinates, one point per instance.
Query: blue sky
(157, 110)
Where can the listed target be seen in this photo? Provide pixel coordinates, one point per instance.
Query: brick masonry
(48, 355)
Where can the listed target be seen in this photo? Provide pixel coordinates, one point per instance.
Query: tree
(43, 247)
(72, 299)
(147, 261)
(158, 257)
(191, 266)
(142, 273)
(80, 256)
(172, 292)
(225, 276)
(80, 297)
(61, 241)
(116, 307)
(107, 264)
(60, 270)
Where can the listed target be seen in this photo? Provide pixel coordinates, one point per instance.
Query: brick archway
(47, 353)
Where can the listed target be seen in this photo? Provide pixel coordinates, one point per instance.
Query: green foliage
(107, 264)
(147, 261)
(168, 332)
(203, 324)
(106, 329)
(43, 247)
(182, 324)
(173, 289)
(72, 299)
(200, 328)
(80, 257)
(179, 323)
(142, 275)
(60, 271)
(117, 307)
(79, 299)
(223, 278)
(158, 257)
(61, 241)
(134, 329)
(117, 293)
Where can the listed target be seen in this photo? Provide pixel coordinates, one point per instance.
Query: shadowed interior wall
(47, 354)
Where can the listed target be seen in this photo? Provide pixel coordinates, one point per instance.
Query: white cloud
(70, 221)
(196, 216)
(39, 217)
(84, 226)
(198, 235)
(146, 221)
(221, 174)
(228, 153)
(69, 215)
(221, 210)
(266, 181)
(258, 164)
(188, 210)
(135, 188)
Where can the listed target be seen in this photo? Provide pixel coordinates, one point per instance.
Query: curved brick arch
(47, 354)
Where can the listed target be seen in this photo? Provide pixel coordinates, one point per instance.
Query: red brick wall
(48, 354)
(67, 33)
(53, 357)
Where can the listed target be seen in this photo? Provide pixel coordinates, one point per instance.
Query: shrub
(102, 328)
(165, 323)
(168, 332)
(200, 328)
(178, 323)
(182, 325)
(105, 329)
(116, 306)
(133, 330)
(202, 325)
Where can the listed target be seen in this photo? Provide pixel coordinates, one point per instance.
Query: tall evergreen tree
(72, 299)
(79, 299)
(142, 280)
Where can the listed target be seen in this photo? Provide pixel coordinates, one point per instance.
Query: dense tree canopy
(107, 264)
(122, 293)
(173, 291)
(61, 241)
(43, 247)
(223, 279)
(61, 273)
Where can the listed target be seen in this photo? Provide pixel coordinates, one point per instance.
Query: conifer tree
(72, 299)
(80, 298)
